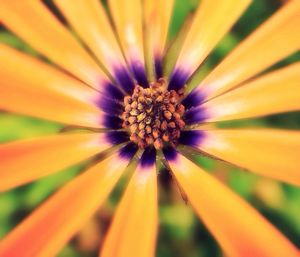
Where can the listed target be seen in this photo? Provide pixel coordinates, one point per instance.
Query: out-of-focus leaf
(69, 251)
(41, 189)
(205, 162)
(178, 219)
(8, 205)
(14, 127)
(242, 182)
(181, 10)
(10, 39)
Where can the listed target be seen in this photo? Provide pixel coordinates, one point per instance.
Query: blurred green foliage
(181, 234)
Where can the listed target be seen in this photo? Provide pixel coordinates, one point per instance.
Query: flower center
(153, 115)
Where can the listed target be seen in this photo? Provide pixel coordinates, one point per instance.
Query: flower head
(111, 84)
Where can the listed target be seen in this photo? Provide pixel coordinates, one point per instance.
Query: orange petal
(90, 21)
(40, 94)
(133, 231)
(212, 21)
(240, 229)
(24, 161)
(35, 24)
(127, 17)
(275, 92)
(157, 15)
(52, 225)
(271, 153)
(277, 38)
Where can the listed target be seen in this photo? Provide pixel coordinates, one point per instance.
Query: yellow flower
(99, 84)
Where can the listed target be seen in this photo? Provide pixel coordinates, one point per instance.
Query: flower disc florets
(154, 115)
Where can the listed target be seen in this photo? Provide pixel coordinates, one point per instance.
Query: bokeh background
(181, 234)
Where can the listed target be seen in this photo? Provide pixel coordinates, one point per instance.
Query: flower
(123, 114)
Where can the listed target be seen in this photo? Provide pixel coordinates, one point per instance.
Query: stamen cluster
(154, 115)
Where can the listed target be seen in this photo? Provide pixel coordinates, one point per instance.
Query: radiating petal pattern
(25, 161)
(274, 40)
(90, 21)
(35, 24)
(271, 153)
(52, 224)
(40, 95)
(157, 16)
(104, 63)
(240, 229)
(212, 21)
(127, 17)
(133, 231)
(276, 92)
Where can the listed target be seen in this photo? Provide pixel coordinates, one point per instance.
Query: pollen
(153, 116)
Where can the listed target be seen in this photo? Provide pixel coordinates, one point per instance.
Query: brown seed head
(153, 116)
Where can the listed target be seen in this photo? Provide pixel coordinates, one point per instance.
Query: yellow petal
(212, 21)
(240, 229)
(25, 161)
(127, 17)
(35, 24)
(52, 225)
(276, 92)
(90, 21)
(274, 40)
(31, 87)
(157, 15)
(133, 230)
(271, 153)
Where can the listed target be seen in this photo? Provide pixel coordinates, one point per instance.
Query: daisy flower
(103, 74)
